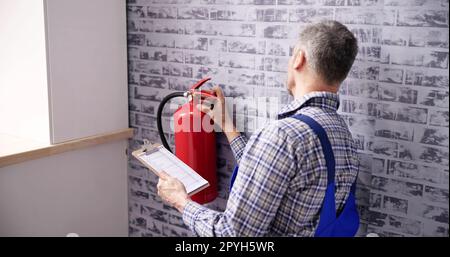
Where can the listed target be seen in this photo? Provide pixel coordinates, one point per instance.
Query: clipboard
(157, 158)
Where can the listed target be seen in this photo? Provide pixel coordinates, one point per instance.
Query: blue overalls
(344, 224)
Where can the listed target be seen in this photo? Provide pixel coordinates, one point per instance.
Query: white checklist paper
(160, 159)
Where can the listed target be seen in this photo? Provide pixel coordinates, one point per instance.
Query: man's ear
(299, 60)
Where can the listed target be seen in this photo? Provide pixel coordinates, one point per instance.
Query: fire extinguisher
(195, 140)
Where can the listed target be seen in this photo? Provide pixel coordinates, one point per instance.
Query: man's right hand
(218, 113)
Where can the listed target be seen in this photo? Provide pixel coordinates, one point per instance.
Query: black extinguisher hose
(159, 117)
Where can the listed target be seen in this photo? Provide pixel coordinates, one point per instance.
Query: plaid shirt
(282, 175)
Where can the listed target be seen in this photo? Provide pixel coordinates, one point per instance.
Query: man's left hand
(172, 191)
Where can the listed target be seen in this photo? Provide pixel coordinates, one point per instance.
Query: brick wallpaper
(395, 100)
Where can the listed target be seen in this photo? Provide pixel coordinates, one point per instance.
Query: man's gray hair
(330, 49)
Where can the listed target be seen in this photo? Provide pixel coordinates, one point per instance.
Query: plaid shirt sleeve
(266, 166)
(237, 146)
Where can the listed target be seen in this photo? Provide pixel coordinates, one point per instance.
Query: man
(282, 178)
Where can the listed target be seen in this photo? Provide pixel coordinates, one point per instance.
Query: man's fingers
(163, 175)
(218, 91)
(215, 90)
(204, 97)
(204, 108)
(160, 184)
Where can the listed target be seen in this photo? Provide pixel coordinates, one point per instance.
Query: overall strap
(233, 176)
(328, 211)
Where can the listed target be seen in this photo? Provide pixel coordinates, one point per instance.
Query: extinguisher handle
(202, 93)
(200, 83)
(208, 94)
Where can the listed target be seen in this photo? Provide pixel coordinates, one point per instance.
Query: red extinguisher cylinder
(195, 145)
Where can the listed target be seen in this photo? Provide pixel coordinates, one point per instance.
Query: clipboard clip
(147, 147)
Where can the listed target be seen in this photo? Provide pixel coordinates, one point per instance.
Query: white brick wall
(395, 100)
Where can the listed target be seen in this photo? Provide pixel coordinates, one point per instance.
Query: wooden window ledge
(36, 151)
